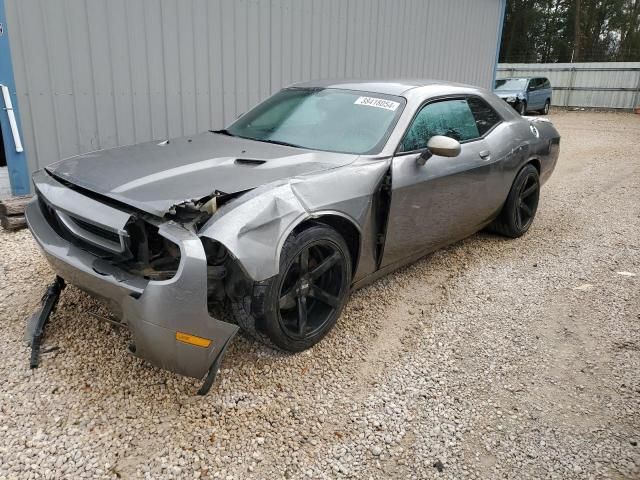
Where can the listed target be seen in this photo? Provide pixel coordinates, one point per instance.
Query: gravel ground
(492, 358)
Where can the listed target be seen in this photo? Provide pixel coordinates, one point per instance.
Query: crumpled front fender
(255, 226)
(253, 231)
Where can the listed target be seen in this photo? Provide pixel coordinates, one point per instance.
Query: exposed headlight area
(152, 256)
(511, 99)
(217, 256)
(226, 279)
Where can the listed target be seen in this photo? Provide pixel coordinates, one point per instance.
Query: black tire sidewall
(545, 110)
(270, 321)
(509, 212)
(522, 108)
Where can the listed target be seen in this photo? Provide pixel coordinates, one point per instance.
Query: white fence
(602, 85)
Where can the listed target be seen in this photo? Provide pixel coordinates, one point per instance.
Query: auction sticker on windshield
(377, 102)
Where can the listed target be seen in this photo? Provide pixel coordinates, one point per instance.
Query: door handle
(485, 154)
(8, 106)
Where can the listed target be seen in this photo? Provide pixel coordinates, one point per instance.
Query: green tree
(571, 30)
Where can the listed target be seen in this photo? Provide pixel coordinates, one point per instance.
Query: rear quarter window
(485, 116)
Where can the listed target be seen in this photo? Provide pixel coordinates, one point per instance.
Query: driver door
(446, 199)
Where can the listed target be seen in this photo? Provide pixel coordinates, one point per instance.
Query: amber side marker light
(192, 339)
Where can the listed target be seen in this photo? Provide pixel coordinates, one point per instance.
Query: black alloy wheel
(527, 202)
(519, 210)
(296, 308)
(310, 290)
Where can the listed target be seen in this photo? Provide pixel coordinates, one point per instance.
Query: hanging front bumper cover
(37, 322)
(154, 311)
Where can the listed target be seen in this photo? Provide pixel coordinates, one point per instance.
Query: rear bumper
(153, 310)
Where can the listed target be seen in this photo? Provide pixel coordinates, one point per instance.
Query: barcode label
(377, 102)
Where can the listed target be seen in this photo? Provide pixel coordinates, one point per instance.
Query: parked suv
(525, 94)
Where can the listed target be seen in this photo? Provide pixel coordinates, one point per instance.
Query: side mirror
(441, 146)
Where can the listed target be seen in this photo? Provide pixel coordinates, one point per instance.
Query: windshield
(511, 84)
(322, 119)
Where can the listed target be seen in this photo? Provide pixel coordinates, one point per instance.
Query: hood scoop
(250, 162)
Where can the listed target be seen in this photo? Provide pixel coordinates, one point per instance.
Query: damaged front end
(156, 275)
(226, 278)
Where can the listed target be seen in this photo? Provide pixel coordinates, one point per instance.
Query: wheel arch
(255, 226)
(535, 162)
(343, 224)
(531, 161)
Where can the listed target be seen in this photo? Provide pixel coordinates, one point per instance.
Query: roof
(522, 78)
(388, 87)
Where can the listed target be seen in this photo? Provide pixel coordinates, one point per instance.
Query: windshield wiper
(223, 131)
(278, 142)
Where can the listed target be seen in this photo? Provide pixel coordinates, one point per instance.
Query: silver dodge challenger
(271, 222)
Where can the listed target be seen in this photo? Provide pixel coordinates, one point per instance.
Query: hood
(509, 93)
(155, 176)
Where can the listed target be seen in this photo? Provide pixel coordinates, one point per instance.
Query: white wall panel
(95, 74)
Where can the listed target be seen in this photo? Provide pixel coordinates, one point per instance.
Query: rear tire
(520, 208)
(295, 309)
(545, 110)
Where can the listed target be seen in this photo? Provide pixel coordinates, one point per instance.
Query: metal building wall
(93, 74)
(600, 85)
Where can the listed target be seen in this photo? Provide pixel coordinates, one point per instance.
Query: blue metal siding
(16, 161)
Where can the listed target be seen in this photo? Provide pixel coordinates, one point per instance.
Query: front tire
(522, 108)
(298, 307)
(520, 208)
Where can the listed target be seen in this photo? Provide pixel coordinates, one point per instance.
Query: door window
(486, 117)
(451, 118)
